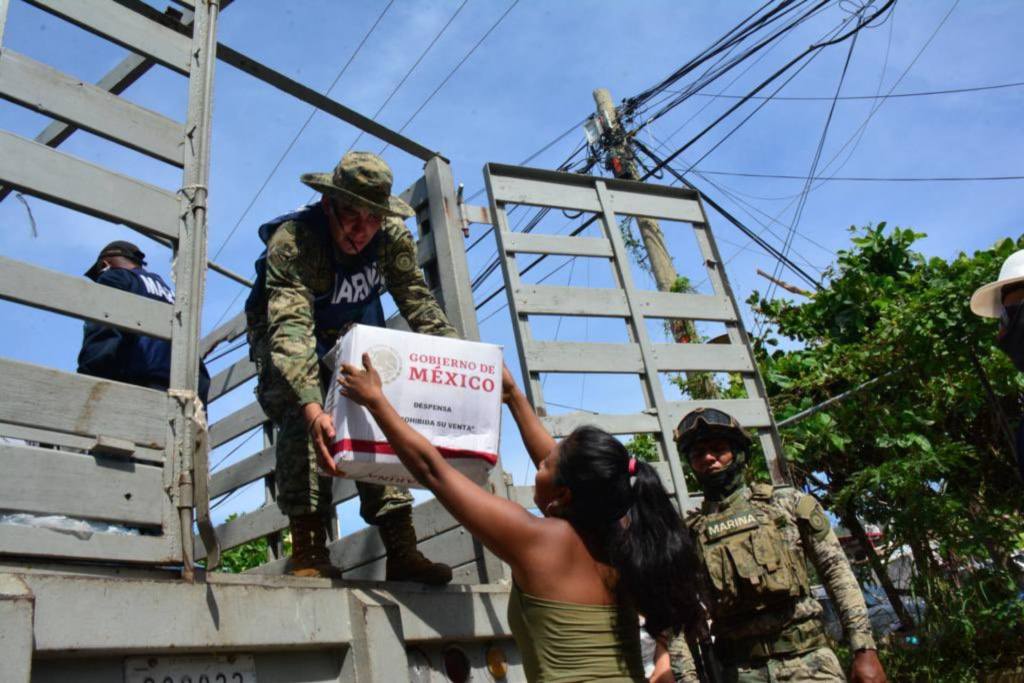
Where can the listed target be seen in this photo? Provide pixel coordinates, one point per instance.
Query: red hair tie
(632, 467)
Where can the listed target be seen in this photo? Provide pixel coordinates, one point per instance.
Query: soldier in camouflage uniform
(325, 267)
(755, 542)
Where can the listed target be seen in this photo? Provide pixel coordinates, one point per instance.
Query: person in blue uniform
(112, 353)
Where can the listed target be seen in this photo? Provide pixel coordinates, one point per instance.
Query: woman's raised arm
(537, 440)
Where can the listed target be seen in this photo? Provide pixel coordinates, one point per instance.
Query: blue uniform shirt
(133, 358)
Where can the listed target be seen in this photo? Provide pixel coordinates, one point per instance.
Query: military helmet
(703, 423)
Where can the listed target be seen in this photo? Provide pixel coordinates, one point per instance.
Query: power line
(455, 69)
(802, 203)
(302, 128)
(700, 85)
(923, 93)
(750, 210)
(816, 47)
(878, 105)
(722, 45)
(411, 69)
(870, 179)
(760, 241)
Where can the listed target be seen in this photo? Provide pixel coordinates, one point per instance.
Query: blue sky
(527, 83)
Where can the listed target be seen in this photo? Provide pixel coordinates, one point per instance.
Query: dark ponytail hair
(650, 549)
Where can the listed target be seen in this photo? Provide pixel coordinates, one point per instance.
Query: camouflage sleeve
(290, 313)
(684, 668)
(406, 284)
(836, 574)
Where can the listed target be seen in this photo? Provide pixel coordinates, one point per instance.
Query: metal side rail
(256, 628)
(610, 200)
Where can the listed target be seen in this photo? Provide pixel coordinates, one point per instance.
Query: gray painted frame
(609, 198)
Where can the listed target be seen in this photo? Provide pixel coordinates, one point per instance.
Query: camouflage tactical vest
(750, 565)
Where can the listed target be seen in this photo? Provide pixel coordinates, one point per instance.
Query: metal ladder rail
(179, 220)
(609, 198)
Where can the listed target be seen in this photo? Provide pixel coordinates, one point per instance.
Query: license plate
(198, 669)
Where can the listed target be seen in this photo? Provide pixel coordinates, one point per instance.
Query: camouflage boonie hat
(360, 178)
(703, 423)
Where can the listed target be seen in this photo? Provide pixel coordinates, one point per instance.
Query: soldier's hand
(321, 432)
(362, 386)
(867, 668)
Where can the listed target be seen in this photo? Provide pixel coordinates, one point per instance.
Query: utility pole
(621, 161)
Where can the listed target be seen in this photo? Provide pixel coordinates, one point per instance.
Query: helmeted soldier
(755, 542)
(125, 356)
(324, 268)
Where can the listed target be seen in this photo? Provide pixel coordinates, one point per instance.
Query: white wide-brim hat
(987, 301)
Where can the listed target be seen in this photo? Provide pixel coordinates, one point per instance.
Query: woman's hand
(362, 386)
(508, 384)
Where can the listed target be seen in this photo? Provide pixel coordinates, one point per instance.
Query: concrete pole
(623, 165)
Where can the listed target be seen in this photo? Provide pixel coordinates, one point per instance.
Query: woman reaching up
(610, 544)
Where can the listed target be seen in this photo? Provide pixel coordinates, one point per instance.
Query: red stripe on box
(384, 448)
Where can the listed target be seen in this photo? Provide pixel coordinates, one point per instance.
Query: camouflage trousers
(817, 665)
(300, 488)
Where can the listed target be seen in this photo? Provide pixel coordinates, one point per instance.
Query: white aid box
(449, 390)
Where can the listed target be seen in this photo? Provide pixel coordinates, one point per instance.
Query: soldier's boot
(310, 557)
(404, 561)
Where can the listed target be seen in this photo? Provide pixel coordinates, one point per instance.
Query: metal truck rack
(103, 607)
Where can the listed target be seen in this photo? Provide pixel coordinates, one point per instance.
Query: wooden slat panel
(250, 526)
(710, 357)
(751, 413)
(426, 251)
(238, 422)
(242, 472)
(467, 574)
(43, 481)
(24, 540)
(60, 96)
(526, 191)
(128, 29)
(87, 406)
(551, 300)
(583, 357)
(225, 332)
(476, 214)
(78, 297)
(524, 494)
(686, 306)
(639, 423)
(556, 244)
(625, 203)
(83, 443)
(66, 180)
(453, 547)
(665, 475)
(265, 520)
(430, 519)
(416, 194)
(231, 377)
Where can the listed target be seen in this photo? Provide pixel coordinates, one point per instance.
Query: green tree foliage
(924, 452)
(248, 555)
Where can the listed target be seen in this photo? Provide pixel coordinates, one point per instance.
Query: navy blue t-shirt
(126, 357)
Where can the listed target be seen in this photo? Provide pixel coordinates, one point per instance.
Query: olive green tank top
(566, 641)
